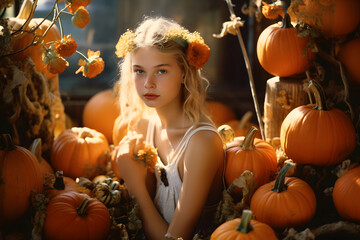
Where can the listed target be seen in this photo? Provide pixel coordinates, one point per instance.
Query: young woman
(162, 96)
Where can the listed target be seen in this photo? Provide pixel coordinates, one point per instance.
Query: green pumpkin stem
(248, 143)
(59, 180)
(286, 22)
(280, 179)
(35, 147)
(6, 142)
(244, 225)
(319, 95)
(81, 210)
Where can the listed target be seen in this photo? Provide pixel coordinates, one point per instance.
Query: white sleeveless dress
(168, 181)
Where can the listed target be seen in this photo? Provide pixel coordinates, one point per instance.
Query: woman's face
(157, 77)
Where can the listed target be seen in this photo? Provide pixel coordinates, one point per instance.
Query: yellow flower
(92, 66)
(148, 155)
(81, 17)
(74, 5)
(54, 63)
(198, 53)
(65, 47)
(271, 11)
(125, 44)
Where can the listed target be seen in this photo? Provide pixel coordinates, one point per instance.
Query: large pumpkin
(243, 228)
(73, 215)
(100, 113)
(20, 175)
(281, 52)
(79, 152)
(316, 134)
(349, 55)
(253, 154)
(346, 195)
(20, 40)
(219, 112)
(332, 17)
(285, 202)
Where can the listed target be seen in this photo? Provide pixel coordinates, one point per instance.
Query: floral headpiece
(197, 52)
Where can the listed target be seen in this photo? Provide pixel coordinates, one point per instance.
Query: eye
(161, 71)
(138, 71)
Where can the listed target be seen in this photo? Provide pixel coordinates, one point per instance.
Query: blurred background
(225, 70)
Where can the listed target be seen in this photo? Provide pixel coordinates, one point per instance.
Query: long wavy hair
(151, 32)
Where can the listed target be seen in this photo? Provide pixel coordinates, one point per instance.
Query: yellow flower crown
(197, 52)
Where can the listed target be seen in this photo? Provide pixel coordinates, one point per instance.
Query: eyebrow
(157, 66)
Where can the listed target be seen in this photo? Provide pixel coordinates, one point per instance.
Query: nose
(150, 82)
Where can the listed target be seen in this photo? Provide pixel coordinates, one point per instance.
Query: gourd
(285, 202)
(219, 112)
(253, 154)
(74, 215)
(333, 18)
(346, 193)
(349, 55)
(100, 113)
(241, 127)
(108, 192)
(243, 228)
(79, 152)
(317, 134)
(281, 52)
(20, 175)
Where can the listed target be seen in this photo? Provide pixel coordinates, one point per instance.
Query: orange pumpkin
(280, 50)
(346, 194)
(20, 175)
(61, 184)
(73, 215)
(23, 39)
(219, 112)
(349, 55)
(79, 152)
(241, 127)
(100, 113)
(332, 17)
(327, 134)
(250, 153)
(285, 202)
(243, 228)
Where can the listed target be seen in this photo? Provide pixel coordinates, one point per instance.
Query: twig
(248, 67)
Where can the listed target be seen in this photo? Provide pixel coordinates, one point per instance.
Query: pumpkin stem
(35, 148)
(244, 225)
(280, 185)
(286, 22)
(248, 143)
(245, 119)
(59, 181)
(6, 142)
(319, 94)
(85, 133)
(81, 210)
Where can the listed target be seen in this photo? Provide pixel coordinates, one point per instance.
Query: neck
(173, 118)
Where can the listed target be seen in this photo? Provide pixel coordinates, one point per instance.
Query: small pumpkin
(243, 228)
(281, 52)
(346, 193)
(241, 127)
(74, 215)
(79, 152)
(219, 112)
(349, 55)
(100, 112)
(61, 184)
(285, 202)
(20, 175)
(326, 133)
(108, 192)
(253, 154)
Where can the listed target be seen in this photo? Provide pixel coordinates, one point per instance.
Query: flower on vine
(81, 17)
(74, 5)
(92, 66)
(148, 155)
(54, 63)
(125, 44)
(271, 11)
(66, 46)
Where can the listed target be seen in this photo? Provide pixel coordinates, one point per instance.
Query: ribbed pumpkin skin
(349, 55)
(63, 221)
(293, 207)
(20, 174)
(318, 137)
(280, 51)
(261, 160)
(227, 231)
(78, 155)
(346, 195)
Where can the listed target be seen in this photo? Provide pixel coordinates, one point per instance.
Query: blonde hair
(152, 32)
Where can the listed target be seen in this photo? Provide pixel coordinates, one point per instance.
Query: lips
(151, 96)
